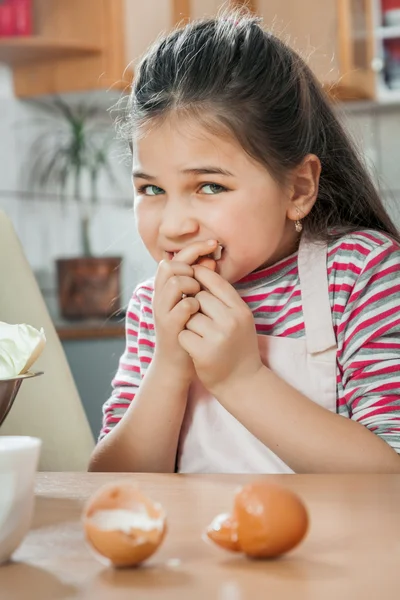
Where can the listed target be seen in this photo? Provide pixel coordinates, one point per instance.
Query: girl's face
(191, 185)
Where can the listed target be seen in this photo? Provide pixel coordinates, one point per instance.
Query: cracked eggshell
(268, 520)
(217, 254)
(123, 525)
(223, 532)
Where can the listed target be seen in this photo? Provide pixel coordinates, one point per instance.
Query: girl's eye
(150, 190)
(210, 189)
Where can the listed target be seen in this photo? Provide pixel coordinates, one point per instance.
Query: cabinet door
(209, 8)
(357, 46)
(143, 24)
(335, 37)
(204, 8)
(96, 22)
(308, 26)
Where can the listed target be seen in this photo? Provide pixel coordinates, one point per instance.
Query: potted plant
(69, 155)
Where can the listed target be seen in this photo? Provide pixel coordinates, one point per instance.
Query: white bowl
(19, 457)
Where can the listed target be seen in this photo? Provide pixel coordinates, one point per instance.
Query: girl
(269, 340)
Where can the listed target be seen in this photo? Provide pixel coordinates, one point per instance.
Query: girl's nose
(177, 221)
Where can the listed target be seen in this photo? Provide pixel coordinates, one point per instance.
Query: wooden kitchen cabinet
(370, 48)
(347, 43)
(311, 27)
(82, 45)
(77, 46)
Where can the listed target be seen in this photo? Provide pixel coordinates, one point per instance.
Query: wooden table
(351, 552)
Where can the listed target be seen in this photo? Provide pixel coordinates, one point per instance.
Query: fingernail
(211, 242)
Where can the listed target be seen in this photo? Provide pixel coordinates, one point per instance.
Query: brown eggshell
(271, 519)
(223, 531)
(268, 520)
(123, 548)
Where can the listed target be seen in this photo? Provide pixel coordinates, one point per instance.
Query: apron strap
(312, 264)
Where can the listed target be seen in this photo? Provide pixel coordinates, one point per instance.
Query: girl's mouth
(216, 255)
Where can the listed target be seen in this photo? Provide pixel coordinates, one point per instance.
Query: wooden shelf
(22, 50)
(93, 329)
(338, 92)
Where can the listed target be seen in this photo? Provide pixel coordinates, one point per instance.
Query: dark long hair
(233, 75)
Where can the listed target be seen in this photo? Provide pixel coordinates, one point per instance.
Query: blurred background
(65, 176)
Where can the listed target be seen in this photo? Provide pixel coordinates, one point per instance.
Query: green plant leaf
(74, 139)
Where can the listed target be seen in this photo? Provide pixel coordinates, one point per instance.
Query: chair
(49, 406)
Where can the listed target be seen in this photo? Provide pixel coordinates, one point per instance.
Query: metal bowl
(9, 389)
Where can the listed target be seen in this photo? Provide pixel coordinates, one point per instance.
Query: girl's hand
(174, 303)
(221, 338)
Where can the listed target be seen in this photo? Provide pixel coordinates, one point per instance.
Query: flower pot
(89, 287)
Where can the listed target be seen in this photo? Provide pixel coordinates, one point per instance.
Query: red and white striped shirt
(364, 289)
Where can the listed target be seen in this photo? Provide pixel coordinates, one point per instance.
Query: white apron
(212, 440)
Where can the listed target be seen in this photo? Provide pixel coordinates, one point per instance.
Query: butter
(20, 346)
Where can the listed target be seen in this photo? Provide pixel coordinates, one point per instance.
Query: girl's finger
(191, 342)
(174, 289)
(191, 253)
(212, 307)
(167, 269)
(201, 325)
(208, 263)
(219, 287)
(182, 312)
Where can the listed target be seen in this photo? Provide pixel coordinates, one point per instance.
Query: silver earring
(298, 226)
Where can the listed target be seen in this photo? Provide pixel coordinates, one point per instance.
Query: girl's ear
(304, 187)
